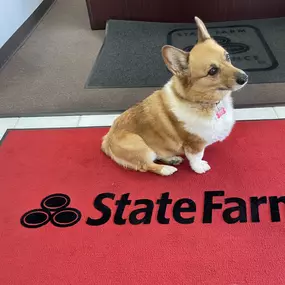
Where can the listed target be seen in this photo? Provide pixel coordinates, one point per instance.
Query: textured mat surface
(82, 235)
(131, 53)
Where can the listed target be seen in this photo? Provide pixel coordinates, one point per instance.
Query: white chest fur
(211, 129)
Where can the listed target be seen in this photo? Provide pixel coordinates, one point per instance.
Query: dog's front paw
(201, 166)
(167, 170)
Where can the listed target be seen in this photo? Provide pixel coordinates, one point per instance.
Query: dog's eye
(228, 58)
(213, 71)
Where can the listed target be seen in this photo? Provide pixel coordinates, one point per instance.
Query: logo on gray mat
(246, 45)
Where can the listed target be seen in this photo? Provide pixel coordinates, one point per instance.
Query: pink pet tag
(220, 111)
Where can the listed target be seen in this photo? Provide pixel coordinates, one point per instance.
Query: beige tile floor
(107, 120)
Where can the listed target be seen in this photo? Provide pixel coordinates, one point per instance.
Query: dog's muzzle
(241, 78)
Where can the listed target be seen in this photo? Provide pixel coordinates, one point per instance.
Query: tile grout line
(276, 113)
(79, 120)
(18, 119)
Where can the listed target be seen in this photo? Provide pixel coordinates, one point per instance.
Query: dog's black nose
(241, 78)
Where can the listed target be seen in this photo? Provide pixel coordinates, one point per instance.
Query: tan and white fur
(181, 118)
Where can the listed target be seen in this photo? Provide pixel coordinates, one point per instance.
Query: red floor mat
(227, 229)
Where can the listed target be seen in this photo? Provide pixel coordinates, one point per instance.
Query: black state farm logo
(54, 209)
(246, 45)
(227, 44)
(112, 207)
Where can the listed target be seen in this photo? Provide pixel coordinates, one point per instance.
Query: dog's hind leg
(130, 151)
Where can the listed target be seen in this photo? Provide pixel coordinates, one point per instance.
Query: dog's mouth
(238, 87)
(233, 88)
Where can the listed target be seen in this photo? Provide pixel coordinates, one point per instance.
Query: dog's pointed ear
(203, 33)
(176, 60)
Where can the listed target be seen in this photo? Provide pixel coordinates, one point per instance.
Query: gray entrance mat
(131, 54)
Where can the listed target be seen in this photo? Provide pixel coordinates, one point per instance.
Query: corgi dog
(191, 112)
